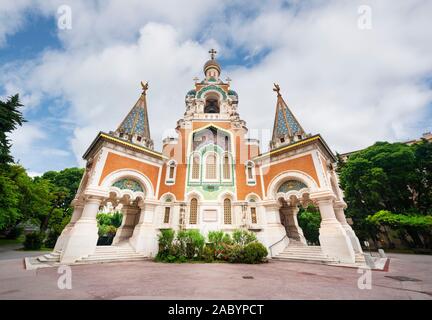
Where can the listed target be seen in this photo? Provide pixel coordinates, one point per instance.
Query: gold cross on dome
(276, 89)
(212, 53)
(144, 87)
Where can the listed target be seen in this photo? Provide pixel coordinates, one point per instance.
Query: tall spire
(286, 128)
(135, 127)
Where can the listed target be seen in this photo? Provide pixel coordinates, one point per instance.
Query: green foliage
(309, 220)
(106, 230)
(110, 219)
(10, 118)
(254, 252)
(9, 199)
(34, 241)
(393, 177)
(398, 221)
(15, 232)
(243, 237)
(190, 245)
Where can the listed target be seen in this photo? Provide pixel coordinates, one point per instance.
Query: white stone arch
(291, 175)
(165, 196)
(252, 195)
(194, 194)
(227, 194)
(145, 182)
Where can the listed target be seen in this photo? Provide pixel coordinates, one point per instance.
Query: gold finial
(144, 87)
(212, 53)
(277, 89)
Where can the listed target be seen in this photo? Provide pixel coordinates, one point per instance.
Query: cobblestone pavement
(273, 280)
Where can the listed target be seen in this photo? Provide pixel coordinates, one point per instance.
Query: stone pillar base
(63, 238)
(81, 242)
(145, 239)
(335, 242)
(353, 238)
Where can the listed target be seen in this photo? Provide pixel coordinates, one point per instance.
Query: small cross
(195, 79)
(276, 89)
(212, 53)
(228, 79)
(144, 87)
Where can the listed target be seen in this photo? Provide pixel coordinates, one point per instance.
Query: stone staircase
(299, 252)
(51, 257)
(119, 252)
(303, 253)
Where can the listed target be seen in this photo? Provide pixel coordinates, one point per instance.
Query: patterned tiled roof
(136, 122)
(285, 122)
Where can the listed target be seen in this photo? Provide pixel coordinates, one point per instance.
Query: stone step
(307, 260)
(113, 255)
(302, 250)
(106, 260)
(305, 257)
(114, 258)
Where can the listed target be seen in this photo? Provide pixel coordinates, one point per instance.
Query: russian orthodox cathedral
(209, 177)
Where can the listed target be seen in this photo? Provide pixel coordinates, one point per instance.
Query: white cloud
(352, 86)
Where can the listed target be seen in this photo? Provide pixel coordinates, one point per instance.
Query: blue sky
(351, 85)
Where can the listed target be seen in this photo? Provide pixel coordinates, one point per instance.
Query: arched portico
(128, 189)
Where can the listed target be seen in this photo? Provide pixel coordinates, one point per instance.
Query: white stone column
(64, 236)
(145, 235)
(339, 207)
(274, 233)
(293, 229)
(84, 234)
(124, 232)
(332, 236)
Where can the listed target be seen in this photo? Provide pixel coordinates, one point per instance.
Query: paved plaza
(273, 280)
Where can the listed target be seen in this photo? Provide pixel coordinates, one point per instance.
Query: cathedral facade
(209, 177)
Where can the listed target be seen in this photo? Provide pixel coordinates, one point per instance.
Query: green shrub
(243, 237)
(254, 252)
(208, 254)
(33, 241)
(191, 243)
(235, 253)
(166, 238)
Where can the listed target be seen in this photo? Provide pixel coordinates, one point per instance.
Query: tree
(9, 198)
(10, 118)
(423, 169)
(309, 220)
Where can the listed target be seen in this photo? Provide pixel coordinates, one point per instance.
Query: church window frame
(226, 167)
(195, 167)
(211, 171)
(227, 211)
(193, 211)
(250, 173)
(171, 172)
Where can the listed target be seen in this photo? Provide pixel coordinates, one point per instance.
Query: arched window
(227, 211)
(211, 167)
(250, 172)
(193, 211)
(167, 214)
(171, 173)
(195, 167)
(212, 104)
(226, 167)
(253, 215)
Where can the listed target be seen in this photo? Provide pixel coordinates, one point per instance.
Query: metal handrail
(271, 252)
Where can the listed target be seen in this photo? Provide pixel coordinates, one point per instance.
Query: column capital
(340, 204)
(322, 196)
(96, 192)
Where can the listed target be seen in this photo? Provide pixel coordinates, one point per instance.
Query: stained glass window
(193, 213)
(211, 167)
(226, 168)
(196, 167)
(227, 211)
(128, 184)
(167, 214)
(291, 185)
(253, 215)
